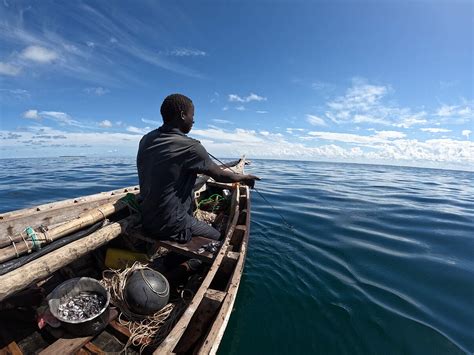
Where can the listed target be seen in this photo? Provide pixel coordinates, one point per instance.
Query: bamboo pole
(42, 267)
(22, 243)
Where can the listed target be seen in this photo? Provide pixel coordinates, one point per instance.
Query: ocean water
(379, 259)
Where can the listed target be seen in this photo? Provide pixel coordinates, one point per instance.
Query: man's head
(178, 110)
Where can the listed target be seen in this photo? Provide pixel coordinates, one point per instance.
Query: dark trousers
(202, 229)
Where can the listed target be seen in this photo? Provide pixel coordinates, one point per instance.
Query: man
(168, 162)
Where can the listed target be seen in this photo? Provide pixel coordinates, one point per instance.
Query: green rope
(131, 201)
(213, 199)
(30, 232)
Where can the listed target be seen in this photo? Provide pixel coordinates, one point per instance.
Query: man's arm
(201, 163)
(222, 175)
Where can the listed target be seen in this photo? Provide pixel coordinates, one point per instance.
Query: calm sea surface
(380, 260)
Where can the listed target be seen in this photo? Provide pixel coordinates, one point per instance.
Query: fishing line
(285, 222)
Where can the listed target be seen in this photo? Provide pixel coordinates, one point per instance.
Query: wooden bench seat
(189, 249)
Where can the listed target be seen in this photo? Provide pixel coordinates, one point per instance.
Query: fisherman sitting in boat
(168, 162)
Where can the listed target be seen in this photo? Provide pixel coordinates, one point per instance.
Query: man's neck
(171, 126)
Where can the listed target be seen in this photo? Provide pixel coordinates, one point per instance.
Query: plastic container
(71, 288)
(120, 259)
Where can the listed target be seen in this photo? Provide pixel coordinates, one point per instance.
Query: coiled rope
(145, 330)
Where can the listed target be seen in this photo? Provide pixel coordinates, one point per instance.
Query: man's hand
(249, 180)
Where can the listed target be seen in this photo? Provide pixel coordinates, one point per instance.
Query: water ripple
(379, 259)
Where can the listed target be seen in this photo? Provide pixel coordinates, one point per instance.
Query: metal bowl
(74, 287)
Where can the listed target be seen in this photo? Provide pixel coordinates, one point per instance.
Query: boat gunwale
(172, 339)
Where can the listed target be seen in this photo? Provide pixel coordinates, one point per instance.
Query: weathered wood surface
(214, 337)
(174, 336)
(91, 348)
(71, 345)
(42, 267)
(22, 245)
(14, 222)
(11, 349)
(201, 320)
(187, 249)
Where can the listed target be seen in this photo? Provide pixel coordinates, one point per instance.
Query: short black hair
(173, 105)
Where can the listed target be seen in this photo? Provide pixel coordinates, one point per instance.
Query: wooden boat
(197, 328)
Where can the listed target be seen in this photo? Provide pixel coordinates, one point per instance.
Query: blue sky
(386, 82)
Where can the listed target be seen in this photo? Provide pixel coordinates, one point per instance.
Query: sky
(380, 82)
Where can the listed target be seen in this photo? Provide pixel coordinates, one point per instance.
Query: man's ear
(182, 115)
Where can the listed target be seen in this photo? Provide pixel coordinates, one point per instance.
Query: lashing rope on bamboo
(145, 330)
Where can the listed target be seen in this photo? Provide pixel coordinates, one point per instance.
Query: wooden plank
(52, 214)
(84, 220)
(211, 344)
(66, 203)
(11, 349)
(174, 336)
(188, 249)
(123, 330)
(123, 333)
(69, 346)
(42, 267)
(215, 295)
(93, 349)
(200, 321)
(241, 227)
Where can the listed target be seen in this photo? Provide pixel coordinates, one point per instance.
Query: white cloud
(378, 137)
(466, 133)
(320, 86)
(366, 103)
(344, 137)
(31, 114)
(291, 130)
(261, 112)
(435, 130)
(60, 117)
(240, 108)
(315, 120)
(185, 52)
(249, 98)
(461, 111)
(105, 124)
(9, 69)
(39, 54)
(238, 135)
(390, 135)
(217, 120)
(411, 120)
(90, 44)
(446, 110)
(134, 129)
(360, 97)
(99, 91)
(17, 94)
(74, 59)
(369, 119)
(381, 147)
(215, 98)
(153, 122)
